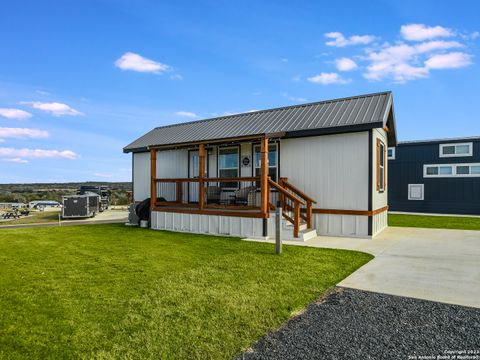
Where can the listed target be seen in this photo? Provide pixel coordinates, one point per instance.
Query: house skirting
(208, 224)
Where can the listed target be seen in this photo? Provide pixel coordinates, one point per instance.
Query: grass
(439, 222)
(34, 218)
(110, 291)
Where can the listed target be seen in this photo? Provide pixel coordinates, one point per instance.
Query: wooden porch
(253, 197)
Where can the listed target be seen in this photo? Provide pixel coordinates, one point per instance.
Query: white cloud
(429, 46)
(452, 60)
(22, 133)
(54, 108)
(176, 77)
(16, 160)
(328, 78)
(37, 153)
(474, 35)
(135, 62)
(186, 114)
(404, 62)
(419, 32)
(103, 175)
(394, 62)
(345, 64)
(41, 92)
(339, 40)
(294, 98)
(18, 114)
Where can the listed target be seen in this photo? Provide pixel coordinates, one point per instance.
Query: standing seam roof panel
(359, 110)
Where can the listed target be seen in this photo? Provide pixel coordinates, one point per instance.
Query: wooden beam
(186, 210)
(201, 175)
(350, 212)
(264, 177)
(153, 176)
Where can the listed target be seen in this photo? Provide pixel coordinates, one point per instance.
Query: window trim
(454, 170)
(254, 167)
(423, 192)
(394, 150)
(381, 189)
(470, 152)
(219, 148)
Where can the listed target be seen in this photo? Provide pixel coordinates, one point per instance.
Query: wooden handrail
(297, 191)
(284, 192)
(205, 179)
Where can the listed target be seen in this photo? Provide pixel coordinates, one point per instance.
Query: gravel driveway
(356, 324)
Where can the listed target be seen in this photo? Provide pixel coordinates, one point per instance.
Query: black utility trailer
(103, 191)
(80, 206)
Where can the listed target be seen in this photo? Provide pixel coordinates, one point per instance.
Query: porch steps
(303, 235)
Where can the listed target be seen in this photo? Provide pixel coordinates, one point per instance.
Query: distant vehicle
(80, 206)
(103, 191)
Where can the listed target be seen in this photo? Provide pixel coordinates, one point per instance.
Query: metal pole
(278, 228)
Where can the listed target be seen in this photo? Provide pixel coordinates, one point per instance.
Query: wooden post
(309, 214)
(201, 174)
(296, 218)
(264, 177)
(282, 184)
(179, 186)
(153, 177)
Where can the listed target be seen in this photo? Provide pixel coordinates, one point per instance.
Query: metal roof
(436, 141)
(339, 115)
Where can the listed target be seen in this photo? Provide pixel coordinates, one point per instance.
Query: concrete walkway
(431, 264)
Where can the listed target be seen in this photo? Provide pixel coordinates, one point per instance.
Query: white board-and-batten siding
(170, 164)
(333, 170)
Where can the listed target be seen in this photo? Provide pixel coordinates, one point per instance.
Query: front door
(193, 167)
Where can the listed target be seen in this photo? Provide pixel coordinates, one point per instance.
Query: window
(272, 161)
(228, 165)
(451, 170)
(381, 154)
(391, 153)
(415, 191)
(456, 150)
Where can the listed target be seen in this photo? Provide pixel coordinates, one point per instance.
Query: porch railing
(240, 192)
(255, 196)
(306, 210)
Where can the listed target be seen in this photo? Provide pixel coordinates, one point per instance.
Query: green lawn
(114, 292)
(34, 218)
(440, 222)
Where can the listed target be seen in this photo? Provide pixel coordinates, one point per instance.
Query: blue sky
(81, 79)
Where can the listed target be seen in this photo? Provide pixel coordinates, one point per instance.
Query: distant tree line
(30, 192)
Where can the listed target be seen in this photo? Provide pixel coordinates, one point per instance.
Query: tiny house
(324, 163)
(435, 176)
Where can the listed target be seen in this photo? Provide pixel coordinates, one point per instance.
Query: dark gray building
(435, 176)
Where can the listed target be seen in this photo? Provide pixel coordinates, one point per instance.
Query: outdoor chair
(213, 194)
(241, 196)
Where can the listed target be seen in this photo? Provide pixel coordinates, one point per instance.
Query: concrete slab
(430, 264)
